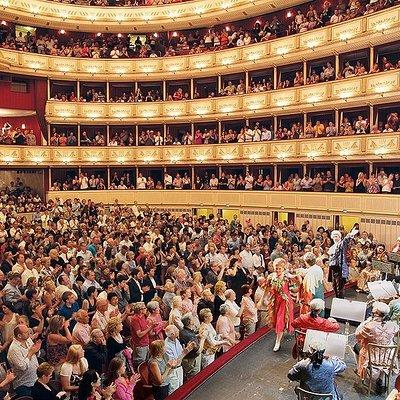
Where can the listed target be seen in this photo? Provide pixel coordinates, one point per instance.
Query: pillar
(219, 131)
(48, 89)
(371, 56)
(79, 134)
(193, 177)
(275, 173)
(192, 88)
(78, 90)
(247, 81)
(108, 177)
(107, 135)
(107, 92)
(337, 64)
(275, 76)
(164, 90)
(305, 70)
(371, 116)
(219, 84)
(336, 171)
(337, 120)
(137, 134)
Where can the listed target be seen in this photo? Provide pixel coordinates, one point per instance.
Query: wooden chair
(143, 389)
(299, 337)
(303, 394)
(382, 358)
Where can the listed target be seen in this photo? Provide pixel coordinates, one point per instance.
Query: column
(305, 70)
(219, 171)
(193, 177)
(336, 171)
(108, 134)
(275, 127)
(192, 129)
(337, 120)
(337, 64)
(275, 173)
(48, 134)
(78, 90)
(304, 165)
(108, 176)
(247, 81)
(371, 116)
(164, 90)
(192, 88)
(79, 134)
(275, 76)
(135, 85)
(219, 85)
(48, 89)
(370, 168)
(50, 178)
(304, 121)
(165, 132)
(137, 134)
(108, 92)
(371, 57)
(219, 131)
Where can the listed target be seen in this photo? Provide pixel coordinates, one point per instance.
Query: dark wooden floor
(259, 373)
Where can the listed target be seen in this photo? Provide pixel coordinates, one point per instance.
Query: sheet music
(348, 310)
(382, 290)
(335, 343)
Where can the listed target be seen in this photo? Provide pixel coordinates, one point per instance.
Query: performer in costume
(312, 285)
(279, 302)
(338, 267)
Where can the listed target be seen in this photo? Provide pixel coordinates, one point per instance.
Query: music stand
(384, 267)
(349, 311)
(335, 343)
(382, 290)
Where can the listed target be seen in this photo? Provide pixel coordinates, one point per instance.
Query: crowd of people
(324, 181)
(17, 135)
(178, 43)
(114, 303)
(16, 197)
(254, 132)
(119, 3)
(230, 88)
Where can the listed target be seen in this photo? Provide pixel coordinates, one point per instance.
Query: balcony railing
(350, 148)
(361, 90)
(185, 15)
(369, 30)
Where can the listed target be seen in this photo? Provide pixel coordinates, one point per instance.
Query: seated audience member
(41, 390)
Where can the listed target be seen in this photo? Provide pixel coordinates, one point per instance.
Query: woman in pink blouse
(123, 385)
(225, 328)
(157, 333)
(248, 311)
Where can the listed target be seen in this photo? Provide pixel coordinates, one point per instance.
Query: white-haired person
(279, 300)
(312, 284)
(317, 373)
(225, 328)
(377, 329)
(338, 265)
(313, 320)
(175, 351)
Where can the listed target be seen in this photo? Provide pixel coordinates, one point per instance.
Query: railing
(369, 30)
(185, 15)
(326, 203)
(351, 148)
(361, 90)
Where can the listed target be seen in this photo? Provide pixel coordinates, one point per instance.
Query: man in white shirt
(148, 246)
(306, 183)
(248, 134)
(30, 272)
(266, 134)
(84, 253)
(141, 181)
(23, 361)
(247, 258)
(258, 259)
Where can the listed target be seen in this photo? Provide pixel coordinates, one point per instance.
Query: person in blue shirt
(69, 308)
(317, 373)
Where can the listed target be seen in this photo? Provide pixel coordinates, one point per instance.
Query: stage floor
(259, 373)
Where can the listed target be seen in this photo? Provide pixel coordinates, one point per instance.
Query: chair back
(299, 337)
(303, 394)
(382, 356)
(143, 370)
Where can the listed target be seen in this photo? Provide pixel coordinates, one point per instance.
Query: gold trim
(383, 27)
(168, 17)
(378, 88)
(334, 149)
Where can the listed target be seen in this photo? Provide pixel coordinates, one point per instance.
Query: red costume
(306, 321)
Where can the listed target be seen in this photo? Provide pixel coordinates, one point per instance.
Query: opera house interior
(199, 199)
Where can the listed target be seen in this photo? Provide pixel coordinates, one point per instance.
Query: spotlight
(289, 14)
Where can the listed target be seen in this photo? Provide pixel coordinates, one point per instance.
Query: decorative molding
(324, 41)
(352, 148)
(167, 17)
(357, 91)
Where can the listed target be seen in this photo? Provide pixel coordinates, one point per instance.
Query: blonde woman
(219, 297)
(72, 370)
(175, 315)
(212, 341)
(115, 341)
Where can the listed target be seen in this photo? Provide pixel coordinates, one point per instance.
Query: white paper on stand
(348, 310)
(382, 290)
(335, 343)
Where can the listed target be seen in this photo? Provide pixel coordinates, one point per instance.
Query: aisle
(259, 373)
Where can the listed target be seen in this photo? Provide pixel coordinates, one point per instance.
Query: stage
(259, 373)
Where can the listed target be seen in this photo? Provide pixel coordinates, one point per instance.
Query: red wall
(33, 100)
